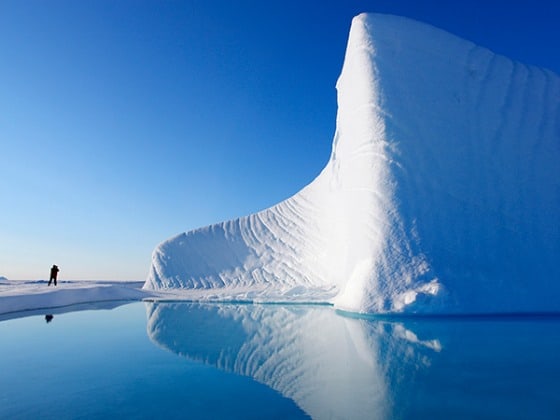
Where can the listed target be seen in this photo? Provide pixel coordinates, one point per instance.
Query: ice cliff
(442, 192)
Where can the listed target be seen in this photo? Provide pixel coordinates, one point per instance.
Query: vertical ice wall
(444, 171)
(477, 165)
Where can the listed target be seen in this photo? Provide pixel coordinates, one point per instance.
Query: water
(185, 360)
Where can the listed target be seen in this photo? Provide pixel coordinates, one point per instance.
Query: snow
(441, 194)
(30, 296)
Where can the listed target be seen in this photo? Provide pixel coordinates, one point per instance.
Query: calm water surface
(187, 360)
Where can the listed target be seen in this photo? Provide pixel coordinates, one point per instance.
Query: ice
(441, 193)
(21, 295)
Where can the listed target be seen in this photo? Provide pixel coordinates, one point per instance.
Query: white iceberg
(442, 192)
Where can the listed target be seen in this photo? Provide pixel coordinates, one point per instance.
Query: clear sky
(123, 123)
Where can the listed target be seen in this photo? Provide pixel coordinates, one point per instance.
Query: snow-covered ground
(30, 297)
(17, 295)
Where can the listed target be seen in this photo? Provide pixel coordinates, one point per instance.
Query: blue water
(185, 360)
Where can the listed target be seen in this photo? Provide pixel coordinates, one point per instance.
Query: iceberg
(441, 194)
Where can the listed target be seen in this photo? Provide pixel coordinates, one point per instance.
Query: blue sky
(123, 123)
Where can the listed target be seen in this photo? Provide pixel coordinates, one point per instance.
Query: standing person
(54, 273)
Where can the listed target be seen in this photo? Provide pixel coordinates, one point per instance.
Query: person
(54, 273)
(49, 318)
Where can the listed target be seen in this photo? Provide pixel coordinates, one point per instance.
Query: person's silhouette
(49, 318)
(54, 273)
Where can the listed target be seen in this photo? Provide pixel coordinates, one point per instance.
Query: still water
(188, 360)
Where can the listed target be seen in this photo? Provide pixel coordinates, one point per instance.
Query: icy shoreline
(29, 297)
(21, 295)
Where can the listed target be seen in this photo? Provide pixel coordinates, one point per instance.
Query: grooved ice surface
(442, 193)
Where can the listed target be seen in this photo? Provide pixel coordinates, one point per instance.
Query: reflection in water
(86, 306)
(330, 365)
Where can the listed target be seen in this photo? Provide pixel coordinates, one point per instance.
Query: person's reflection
(49, 318)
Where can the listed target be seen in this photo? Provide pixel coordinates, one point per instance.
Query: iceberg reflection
(330, 365)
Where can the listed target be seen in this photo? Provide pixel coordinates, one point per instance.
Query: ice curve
(443, 171)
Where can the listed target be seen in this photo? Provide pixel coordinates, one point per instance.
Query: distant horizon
(123, 125)
(62, 280)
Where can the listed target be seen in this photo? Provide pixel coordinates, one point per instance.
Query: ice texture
(442, 192)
